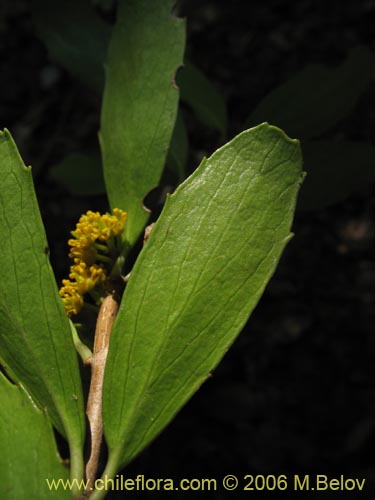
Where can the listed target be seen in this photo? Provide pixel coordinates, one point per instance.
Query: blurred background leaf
(317, 97)
(178, 149)
(80, 174)
(202, 97)
(76, 37)
(335, 170)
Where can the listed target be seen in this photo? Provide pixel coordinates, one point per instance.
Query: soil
(295, 394)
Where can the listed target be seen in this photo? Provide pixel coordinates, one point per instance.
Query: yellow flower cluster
(92, 227)
(93, 236)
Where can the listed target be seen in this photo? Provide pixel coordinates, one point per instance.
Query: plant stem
(77, 468)
(106, 317)
(108, 474)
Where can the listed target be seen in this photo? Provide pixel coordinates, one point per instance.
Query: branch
(106, 317)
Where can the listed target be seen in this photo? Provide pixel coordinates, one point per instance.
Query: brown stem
(106, 317)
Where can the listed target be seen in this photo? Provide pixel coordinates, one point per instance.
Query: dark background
(295, 394)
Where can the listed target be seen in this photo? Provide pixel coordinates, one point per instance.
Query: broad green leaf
(315, 99)
(335, 170)
(81, 174)
(178, 150)
(35, 339)
(76, 37)
(140, 104)
(206, 102)
(28, 450)
(195, 283)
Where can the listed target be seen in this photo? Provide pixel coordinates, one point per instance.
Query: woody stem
(106, 317)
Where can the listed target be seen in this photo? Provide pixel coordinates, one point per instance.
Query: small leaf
(36, 346)
(140, 104)
(201, 273)
(76, 37)
(315, 99)
(81, 174)
(335, 170)
(199, 93)
(28, 455)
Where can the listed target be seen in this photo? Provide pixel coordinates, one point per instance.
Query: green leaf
(28, 450)
(315, 99)
(195, 283)
(335, 170)
(178, 150)
(140, 104)
(76, 37)
(199, 93)
(35, 339)
(81, 174)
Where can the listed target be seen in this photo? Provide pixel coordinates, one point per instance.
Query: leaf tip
(283, 134)
(5, 133)
(288, 238)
